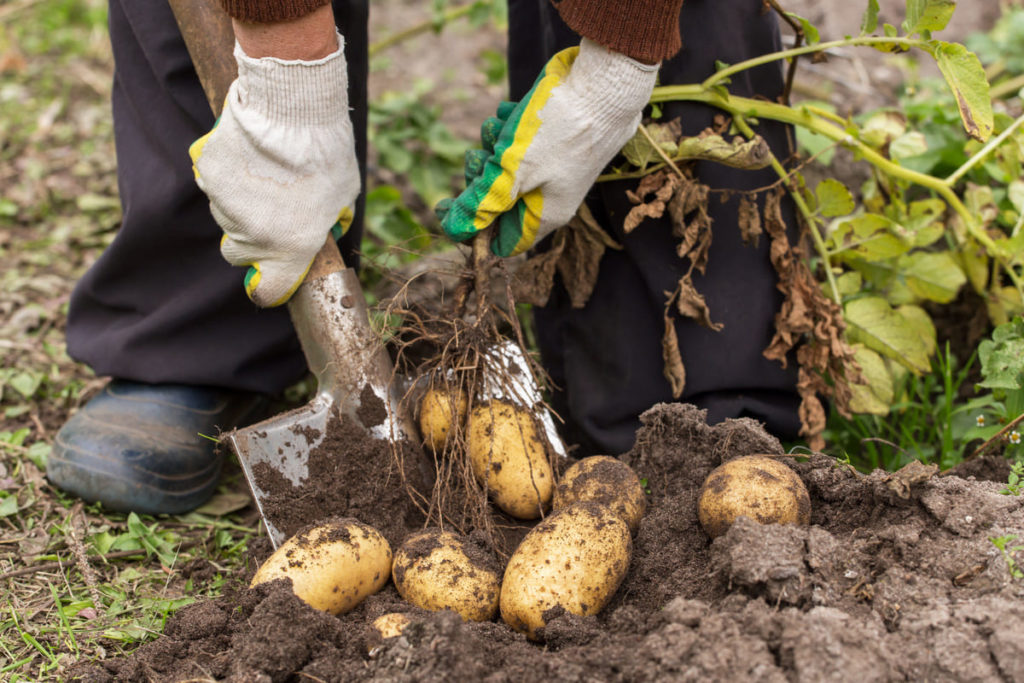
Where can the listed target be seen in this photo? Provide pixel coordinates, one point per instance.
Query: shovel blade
(279, 447)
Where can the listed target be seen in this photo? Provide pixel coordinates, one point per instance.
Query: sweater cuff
(259, 12)
(646, 30)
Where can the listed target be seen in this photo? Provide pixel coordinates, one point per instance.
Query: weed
(1009, 553)
(1015, 480)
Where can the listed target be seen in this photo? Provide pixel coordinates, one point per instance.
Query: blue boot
(137, 447)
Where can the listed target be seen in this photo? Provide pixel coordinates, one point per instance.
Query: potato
(605, 480)
(391, 625)
(438, 570)
(755, 486)
(574, 559)
(506, 453)
(333, 565)
(436, 416)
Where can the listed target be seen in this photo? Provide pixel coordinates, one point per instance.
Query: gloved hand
(280, 168)
(542, 155)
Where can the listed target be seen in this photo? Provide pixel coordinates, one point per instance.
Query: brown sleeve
(646, 30)
(264, 11)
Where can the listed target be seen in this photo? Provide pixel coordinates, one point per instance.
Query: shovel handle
(210, 40)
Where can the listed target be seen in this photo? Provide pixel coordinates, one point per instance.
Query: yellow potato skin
(754, 486)
(433, 570)
(333, 566)
(605, 480)
(575, 559)
(436, 416)
(391, 625)
(508, 455)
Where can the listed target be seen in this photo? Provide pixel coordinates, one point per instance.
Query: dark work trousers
(161, 304)
(606, 358)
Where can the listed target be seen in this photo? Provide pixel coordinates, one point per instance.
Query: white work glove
(542, 155)
(280, 168)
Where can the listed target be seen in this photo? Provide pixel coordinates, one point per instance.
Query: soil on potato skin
(894, 579)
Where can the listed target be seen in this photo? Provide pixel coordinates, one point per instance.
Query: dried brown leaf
(534, 279)
(750, 220)
(674, 370)
(662, 185)
(812, 413)
(691, 222)
(691, 304)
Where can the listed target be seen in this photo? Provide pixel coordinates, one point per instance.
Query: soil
(894, 579)
(351, 475)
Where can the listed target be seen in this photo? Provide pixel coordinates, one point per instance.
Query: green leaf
(1015, 192)
(922, 322)
(834, 199)
(8, 209)
(38, 453)
(872, 322)
(8, 506)
(910, 144)
(965, 76)
(883, 127)
(849, 283)
(810, 31)
(935, 276)
(872, 237)
(875, 396)
(26, 383)
(869, 23)
(925, 16)
(922, 220)
(1002, 357)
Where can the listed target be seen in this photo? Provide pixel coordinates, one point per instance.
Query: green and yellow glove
(542, 155)
(280, 168)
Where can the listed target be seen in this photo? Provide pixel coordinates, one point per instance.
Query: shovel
(328, 311)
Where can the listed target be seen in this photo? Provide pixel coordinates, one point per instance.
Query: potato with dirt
(606, 480)
(509, 456)
(574, 559)
(333, 566)
(439, 412)
(754, 486)
(436, 570)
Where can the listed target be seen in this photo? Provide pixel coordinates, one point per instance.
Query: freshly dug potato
(606, 480)
(438, 570)
(575, 559)
(333, 565)
(755, 486)
(436, 416)
(508, 454)
(391, 625)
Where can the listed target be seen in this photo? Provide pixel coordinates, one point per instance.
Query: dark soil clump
(894, 579)
(350, 475)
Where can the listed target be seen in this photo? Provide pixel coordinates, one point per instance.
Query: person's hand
(280, 168)
(542, 155)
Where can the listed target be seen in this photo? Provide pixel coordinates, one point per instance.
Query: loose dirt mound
(895, 579)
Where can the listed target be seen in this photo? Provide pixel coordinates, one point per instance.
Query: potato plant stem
(423, 27)
(801, 116)
(719, 76)
(980, 155)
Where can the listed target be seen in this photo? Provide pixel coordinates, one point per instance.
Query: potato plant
(914, 236)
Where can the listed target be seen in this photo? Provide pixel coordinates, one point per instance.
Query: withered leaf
(674, 371)
(691, 222)
(534, 279)
(575, 255)
(750, 220)
(662, 185)
(812, 413)
(741, 153)
(691, 304)
(813, 325)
